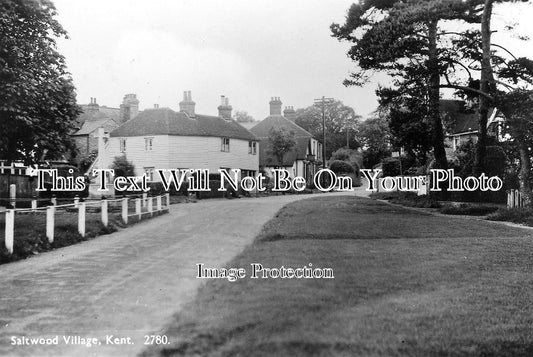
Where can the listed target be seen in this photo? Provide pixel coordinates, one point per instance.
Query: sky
(247, 50)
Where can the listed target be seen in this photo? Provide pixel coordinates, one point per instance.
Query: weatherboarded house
(304, 159)
(162, 138)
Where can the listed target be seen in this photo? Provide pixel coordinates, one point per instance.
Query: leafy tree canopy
(281, 143)
(243, 117)
(341, 123)
(38, 104)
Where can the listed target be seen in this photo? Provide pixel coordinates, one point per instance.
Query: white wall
(183, 152)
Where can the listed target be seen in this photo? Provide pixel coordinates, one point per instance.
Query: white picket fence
(140, 203)
(515, 199)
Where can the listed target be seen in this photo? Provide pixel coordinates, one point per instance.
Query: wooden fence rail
(82, 208)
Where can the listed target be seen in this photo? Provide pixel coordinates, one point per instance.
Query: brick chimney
(187, 105)
(289, 113)
(93, 107)
(275, 106)
(129, 107)
(224, 109)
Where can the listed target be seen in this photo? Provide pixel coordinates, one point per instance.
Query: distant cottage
(305, 158)
(463, 126)
(94, 116)
(161, 138)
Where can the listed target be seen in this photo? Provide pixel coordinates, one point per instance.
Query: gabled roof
(301, 136)
(90, 126)
(458, 117)
(165, 121)
(103, 112)
(262, 129)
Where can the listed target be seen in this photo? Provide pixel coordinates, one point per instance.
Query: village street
(131, 283)
(126, 284)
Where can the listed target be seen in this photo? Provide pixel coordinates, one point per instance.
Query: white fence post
(50, 210)
(125, 210)
(33, 205)
(13, 195)
(138, 207)
(151, 205)
(81, 219)
(54, 200)
(168, 200)
(145, 196)
(158, 203)
(10, 230)
(76, 201)
(105, 218)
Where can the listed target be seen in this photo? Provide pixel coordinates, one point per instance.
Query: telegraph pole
(322, 103)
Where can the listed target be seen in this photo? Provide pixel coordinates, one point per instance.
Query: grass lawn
(406, 284)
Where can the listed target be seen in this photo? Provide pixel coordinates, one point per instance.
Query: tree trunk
(523, 175)
(486, 77)
(434, 98)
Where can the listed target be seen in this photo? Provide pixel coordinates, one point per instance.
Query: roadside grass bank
(406, 284)
(492, 211)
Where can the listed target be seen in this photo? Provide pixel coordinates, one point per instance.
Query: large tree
(341, 123)
(404, 39)
(374, 136)
(281, 143)
(243, 117)
(37, 99)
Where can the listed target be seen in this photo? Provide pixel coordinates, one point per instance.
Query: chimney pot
(187, 105)
(224, 109)
(275, 106)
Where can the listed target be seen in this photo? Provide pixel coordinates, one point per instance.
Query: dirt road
(125, 285)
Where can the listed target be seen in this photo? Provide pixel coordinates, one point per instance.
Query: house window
(148, 144)
(224, 144)
(122, 145)
(252, 147)
(149, 173)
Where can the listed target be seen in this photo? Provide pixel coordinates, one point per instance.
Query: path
(126, 284)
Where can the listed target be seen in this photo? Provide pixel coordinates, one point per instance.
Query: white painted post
(105, 218)
(151, 205)
(125, 210)
(54, 200)
(81, 219)
(145, 196)
(158, 203)
(138, 207)
(10, 230)
(76, 201)
(33, 205)
(50, 210)
(13, 195)
(168, 200)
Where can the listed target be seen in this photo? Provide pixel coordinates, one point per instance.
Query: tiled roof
(262, 129)
(102, 113)
(90, 126)
(165, 121)
(460, 119)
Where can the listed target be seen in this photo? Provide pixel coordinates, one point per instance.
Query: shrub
(341, 167)
(468, 210)
(122, 166)
(515, 215)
